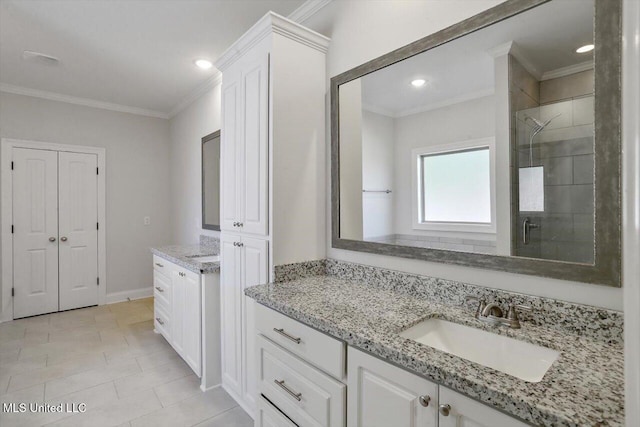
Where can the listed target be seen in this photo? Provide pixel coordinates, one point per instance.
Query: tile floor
(110, 359)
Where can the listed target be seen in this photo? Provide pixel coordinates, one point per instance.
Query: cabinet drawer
(162, 266)
(269, 416)
(313, 346)
(305, 394)
(161, 322)
(162, 291)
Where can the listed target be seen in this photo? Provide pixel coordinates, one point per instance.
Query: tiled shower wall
(565, 150)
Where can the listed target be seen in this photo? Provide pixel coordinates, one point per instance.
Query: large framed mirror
(494, 143)
(211, 181)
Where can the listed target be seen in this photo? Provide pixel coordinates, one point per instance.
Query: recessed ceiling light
(584, 49)
(418, 82)
(205, 64)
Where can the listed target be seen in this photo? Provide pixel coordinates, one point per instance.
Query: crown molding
(513, 49)
(200, 90)
(271, 23)
(86, 102)
(450, 101)
(307, 10)
(566, 71)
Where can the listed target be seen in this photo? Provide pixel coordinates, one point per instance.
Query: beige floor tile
(190, 411)
(59, 370)
(235, 417)
(151, 378)
(150, 361)
(178, 390)
(90, 378)
(115, 413)
(23, 365)
(9, 356)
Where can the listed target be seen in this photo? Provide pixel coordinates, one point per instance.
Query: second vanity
(186, 289)
(334, 352)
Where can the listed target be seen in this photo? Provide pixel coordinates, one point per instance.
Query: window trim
(417, 182)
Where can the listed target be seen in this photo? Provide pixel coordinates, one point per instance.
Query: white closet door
(255, 266)
(255, 161)
(35, 240)
(78, 219)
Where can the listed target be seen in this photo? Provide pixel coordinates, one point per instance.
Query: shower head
(538, 125)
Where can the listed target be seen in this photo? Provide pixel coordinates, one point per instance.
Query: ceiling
(135, 53)
(546, 38)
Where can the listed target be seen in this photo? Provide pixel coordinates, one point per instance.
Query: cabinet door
(466, 412)
(230, 150)
(231, 311)
(177, 310)
(381, 395)
(255, 160)
(255, 265)
(192, 322)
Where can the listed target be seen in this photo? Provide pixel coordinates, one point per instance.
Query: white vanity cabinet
(272, 176)
(382, 395)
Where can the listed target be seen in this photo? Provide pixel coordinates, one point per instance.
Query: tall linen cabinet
(273, 185)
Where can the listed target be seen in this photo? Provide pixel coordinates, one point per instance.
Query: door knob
(445, 410)
(52, 239)
(63, 239)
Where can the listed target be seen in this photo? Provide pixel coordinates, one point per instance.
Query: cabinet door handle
(240, 244)
(159, 289)
(160, 320)
(64, 239)
(424, 400)
(445, 410)
(287, 336)
(159, 265)
(240, 224)
(296, 396)
(52, 239)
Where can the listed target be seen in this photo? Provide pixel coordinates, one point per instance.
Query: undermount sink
(523, 360)
(205, 258)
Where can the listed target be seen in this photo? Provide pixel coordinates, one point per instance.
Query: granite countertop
(182, 255)
(584, 387)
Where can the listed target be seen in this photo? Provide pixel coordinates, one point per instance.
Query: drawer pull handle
(159, 289)
(287, 336)
(297, 396)
(159, 265)
(160, 320)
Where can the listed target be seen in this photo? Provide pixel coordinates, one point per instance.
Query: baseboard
(210, 388)
(129, 295)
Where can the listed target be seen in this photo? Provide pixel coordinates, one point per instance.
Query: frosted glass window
(456, 186)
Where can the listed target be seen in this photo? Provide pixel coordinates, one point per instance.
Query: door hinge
(11, 165)
(97, 171)
(98, 281)
(97, 226)
(12, 229)
(13, 292)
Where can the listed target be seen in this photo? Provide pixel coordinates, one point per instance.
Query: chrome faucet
(493, 314)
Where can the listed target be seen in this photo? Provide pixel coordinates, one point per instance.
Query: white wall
(187, 128)
(467, 120)
(137, 178)
(377, 174)
(361, 31)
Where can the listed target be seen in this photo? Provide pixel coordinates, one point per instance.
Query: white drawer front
(162, 291)
(161, 323)
(161, 265)
(308, 396)
(313, 346)
(268, 416)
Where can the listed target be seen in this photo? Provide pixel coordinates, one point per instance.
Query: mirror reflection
(484, 144)
(211, 181)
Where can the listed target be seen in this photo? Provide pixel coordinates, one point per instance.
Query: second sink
(520, 359)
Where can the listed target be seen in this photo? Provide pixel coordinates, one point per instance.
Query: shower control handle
(527, 225)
